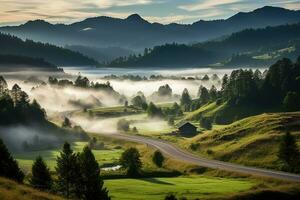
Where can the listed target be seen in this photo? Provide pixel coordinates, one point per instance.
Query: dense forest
(6, 61)
(11, 45)
(254, 41)
(245, 93)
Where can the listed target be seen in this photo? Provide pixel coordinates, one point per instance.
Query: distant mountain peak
(135, 18)
(38, 22)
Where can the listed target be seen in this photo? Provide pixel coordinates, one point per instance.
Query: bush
(206, 123)
(158, 158)
(123, 125)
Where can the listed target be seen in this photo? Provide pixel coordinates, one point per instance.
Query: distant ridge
(134, 32)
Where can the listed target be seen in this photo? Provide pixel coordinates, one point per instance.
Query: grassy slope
(10, 190)
(251, 141)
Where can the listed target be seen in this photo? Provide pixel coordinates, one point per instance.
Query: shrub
(158, 158)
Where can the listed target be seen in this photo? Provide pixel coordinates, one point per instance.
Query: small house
(187, 129)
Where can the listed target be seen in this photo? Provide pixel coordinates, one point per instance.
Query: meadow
(190, 187)
(108, 156)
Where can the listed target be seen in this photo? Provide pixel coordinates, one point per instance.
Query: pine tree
(288, 152)
(8, 166)
(185, 100)
(91, 184)
(67, 123)
(41, 177)
(67, 170)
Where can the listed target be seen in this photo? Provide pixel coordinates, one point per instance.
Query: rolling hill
(251, 141)
(137, 33)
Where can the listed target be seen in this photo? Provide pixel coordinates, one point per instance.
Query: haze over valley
(114, 107)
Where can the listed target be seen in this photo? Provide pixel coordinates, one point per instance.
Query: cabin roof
(185, 124)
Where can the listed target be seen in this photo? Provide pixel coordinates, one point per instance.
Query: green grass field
(191, 187)
(102, 156)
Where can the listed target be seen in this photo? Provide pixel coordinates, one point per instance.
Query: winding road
(179, 154)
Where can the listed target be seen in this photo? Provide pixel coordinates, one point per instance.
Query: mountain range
(136, 33)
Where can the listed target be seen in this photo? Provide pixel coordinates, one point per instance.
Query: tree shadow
(156, 181)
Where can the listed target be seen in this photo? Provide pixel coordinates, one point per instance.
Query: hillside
(11, 45)
(10, 190)
(252, 42)
(251, 141)
(136, 33)
(101, 54)
(14, 62)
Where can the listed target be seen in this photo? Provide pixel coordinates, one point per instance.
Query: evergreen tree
(8, 165)
(291, 102)
(203, 95)
(158, 158)
(67, 123)
(67, 170)
(130, 160)
(41, 177)
(213, 93)
(185, 100)
(91, 184)
(288, 152)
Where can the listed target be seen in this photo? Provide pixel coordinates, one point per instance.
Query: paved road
(185, 156)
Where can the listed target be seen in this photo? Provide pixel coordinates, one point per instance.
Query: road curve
(179, 154)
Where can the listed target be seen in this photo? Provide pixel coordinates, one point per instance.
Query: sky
(13, 12)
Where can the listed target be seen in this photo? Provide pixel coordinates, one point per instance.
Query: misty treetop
(15, 106)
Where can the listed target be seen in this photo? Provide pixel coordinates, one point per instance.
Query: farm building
(187, 129)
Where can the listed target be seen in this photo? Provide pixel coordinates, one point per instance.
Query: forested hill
(11, 45)
(254, 42)
(14, 62)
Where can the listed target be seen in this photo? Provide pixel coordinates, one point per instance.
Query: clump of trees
(289, 153)
(165, 90)
(78, 174)
(82, 82)
(130, 160)
(140, 101)
(154, 111)
(15, 106)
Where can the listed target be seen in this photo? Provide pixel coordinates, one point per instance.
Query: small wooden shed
(187, 129)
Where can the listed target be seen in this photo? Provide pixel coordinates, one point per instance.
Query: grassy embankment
(10, 190)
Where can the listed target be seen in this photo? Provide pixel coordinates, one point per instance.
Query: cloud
(62, 10)
(207, 4)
